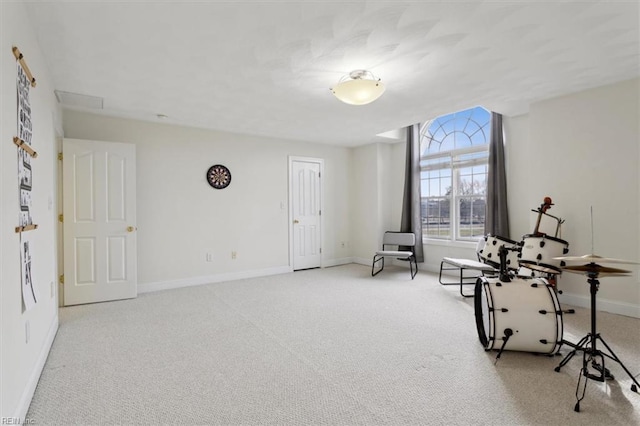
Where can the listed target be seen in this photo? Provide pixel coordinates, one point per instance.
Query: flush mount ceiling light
(360, 87)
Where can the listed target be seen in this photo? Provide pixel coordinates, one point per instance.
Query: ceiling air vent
(78, 100)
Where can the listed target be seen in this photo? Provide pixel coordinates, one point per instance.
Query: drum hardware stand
(542, 210)
(588, 343)
(504, 274)
(505, 278)
(553, 282)
(546, 205)
(507, 334)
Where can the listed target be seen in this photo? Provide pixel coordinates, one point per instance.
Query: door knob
(296, 221)
(131, 228)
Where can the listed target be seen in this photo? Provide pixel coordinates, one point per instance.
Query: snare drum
(538, 253)
(490, 253)
(529, 307)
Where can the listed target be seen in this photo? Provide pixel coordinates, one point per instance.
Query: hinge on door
(319, 174)
(60, 156)
(319, 212)
(320, 249)
(61, 279)
(60, 218)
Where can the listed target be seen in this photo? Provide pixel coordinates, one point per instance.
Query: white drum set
(519, 310)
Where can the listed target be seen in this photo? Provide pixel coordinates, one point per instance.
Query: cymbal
(594, 258)
(594, 268)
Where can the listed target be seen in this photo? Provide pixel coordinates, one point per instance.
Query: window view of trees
(454, 166)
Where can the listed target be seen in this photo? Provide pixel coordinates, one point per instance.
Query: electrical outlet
(234, 254)
(209, 257)
(342, 244)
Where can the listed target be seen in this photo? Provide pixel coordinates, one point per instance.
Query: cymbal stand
(591, 354)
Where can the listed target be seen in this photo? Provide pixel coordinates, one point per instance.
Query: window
(454, 163)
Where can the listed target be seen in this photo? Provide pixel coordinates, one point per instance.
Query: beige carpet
(332, 346)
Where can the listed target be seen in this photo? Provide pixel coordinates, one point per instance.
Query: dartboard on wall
(218, 176)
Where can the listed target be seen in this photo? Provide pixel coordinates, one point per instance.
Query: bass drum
(490, 253)
(527, 306)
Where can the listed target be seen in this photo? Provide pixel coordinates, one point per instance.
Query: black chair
(401, 240)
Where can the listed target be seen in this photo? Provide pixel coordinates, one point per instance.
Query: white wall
(516, 140)
(377, 177)
(21, 361)
(384, 174)
(582, 150)
(364, 201)
(181, 218)
(398, 161)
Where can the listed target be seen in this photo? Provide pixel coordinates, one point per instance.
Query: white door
(99, 193)
(306, 213)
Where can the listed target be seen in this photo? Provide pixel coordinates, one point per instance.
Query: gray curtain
(411, 215)
(497, 216)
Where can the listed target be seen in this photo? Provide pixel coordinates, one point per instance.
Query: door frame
(59, 223)
(319, 161)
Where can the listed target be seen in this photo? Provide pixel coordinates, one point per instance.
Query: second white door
(306, 212)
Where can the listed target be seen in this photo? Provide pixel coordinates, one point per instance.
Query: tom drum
(490, 253)
(538, 253)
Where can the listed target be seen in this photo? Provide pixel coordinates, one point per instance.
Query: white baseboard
(29, 390)
(337, 262)
(367, 262)
(606, 305)
(361, 261)
(210, 279)
(430, 267)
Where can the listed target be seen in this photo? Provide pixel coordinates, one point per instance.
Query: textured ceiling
(265, 67)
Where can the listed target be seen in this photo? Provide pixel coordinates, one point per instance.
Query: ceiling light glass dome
(360, 87)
